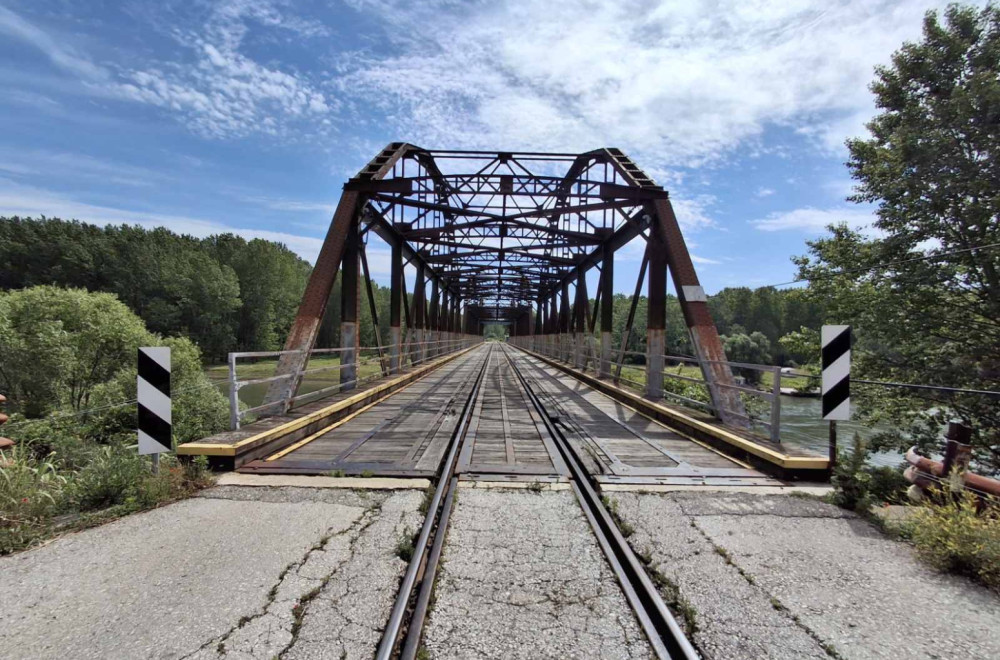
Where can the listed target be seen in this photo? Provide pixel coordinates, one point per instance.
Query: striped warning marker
(836, 341)
(154, 400)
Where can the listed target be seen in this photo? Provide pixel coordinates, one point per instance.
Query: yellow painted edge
(684, 435)
(784, 460)
(305, 441)
(216, 449)
(190, 448)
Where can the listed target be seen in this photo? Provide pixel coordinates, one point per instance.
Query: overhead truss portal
(502, 237)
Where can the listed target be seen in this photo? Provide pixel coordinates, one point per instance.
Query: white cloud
(292, 205)
(22, 200)
(813, 220)
(675, 82)
(764, 192)
(226, 93)
(58, 52)
(705, 261)
(70, 166)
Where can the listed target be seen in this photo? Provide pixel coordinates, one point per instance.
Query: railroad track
(403, 632)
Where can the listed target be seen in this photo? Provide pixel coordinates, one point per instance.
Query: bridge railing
(372, 362)
(762, 407)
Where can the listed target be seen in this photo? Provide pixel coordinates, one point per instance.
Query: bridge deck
(408, 432)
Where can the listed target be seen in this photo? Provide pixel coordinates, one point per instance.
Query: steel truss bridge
(504, 237)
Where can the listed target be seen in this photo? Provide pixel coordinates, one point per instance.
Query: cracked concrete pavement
(236, 573)
(522, 576)
(786, 577)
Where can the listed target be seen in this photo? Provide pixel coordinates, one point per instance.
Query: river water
(803, 428)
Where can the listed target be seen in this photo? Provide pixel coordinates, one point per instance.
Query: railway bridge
(509, 238)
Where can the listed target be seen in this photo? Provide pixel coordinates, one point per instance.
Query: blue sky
(249, 115)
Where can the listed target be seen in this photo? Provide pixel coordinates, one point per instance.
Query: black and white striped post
(836, 382)
(153, 389)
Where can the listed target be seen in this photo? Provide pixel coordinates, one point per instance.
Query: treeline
(227, 294)
(765, 315)
(223, 292)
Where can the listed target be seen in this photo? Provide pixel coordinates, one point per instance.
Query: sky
(248, 116)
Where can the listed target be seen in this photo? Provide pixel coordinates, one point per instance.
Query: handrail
(417, 352)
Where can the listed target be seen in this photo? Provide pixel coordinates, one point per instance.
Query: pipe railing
(562, 347)
(426, 350)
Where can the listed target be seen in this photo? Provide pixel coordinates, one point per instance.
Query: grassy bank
(253, 395)
(40, 498)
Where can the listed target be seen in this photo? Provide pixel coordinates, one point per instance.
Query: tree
(73, 350)
(924, 296)
(754, 348)
(57, 345)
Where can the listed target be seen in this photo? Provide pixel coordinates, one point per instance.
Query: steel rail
(443, 497)
(662, 630)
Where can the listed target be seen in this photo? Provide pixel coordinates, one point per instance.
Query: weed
(425, 504)
(367, 474)
(536, 487)
(955, 536)
(423, 654)
(336, 474)
(624, 526)
(404, 546)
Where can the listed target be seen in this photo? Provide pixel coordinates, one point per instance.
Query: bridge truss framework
(501, 237)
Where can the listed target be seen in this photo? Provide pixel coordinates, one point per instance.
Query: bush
(56, 440)
(857, 486)
(953, 536)
(31, 491)
(114, 476)
(851, 479)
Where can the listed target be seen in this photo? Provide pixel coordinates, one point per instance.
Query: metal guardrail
(563, 349)
(414, 353)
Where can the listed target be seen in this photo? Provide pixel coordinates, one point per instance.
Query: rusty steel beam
(694, 305)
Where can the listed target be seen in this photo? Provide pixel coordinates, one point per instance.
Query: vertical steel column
(580, 322)
(302, 335)
(538, 338)
(607, 308)
(350, 311)
(564, 319)
(704, 335)
(419, 319)
(443, 322)
(434, 325)
(553, 343)
(395, 298)
(657, 317)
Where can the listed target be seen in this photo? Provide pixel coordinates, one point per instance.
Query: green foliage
(851, 479)
(56, 345)
(30, 489)
(858, 486)
(770, 312)
(955, 536)
(113, 476)
(223, 292)
(752, 349)
(930, 169)
(404, 545)
(115, 482)
(66, 350)
(802, 346)
(495, 331)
